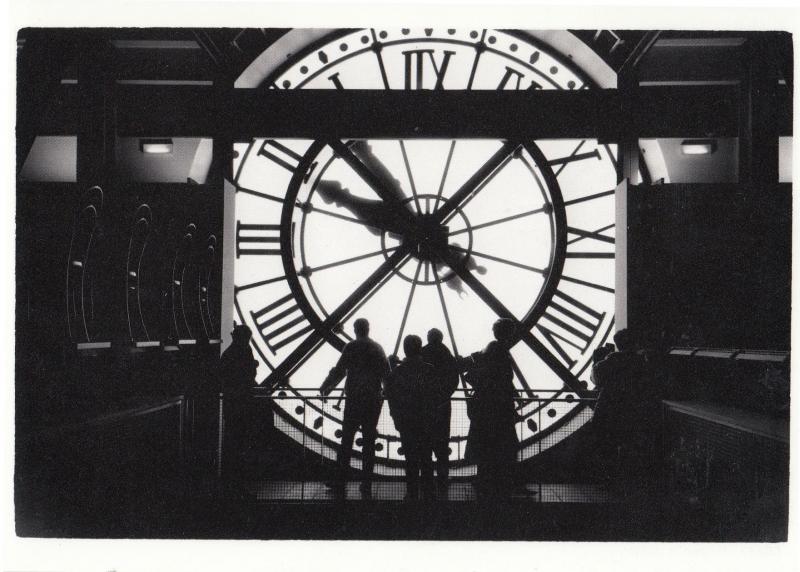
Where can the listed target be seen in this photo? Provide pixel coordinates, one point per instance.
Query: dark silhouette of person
(622, 409)
(237, 375)
(443, 381)
(492, 439)
(364, 364)
(409, 392)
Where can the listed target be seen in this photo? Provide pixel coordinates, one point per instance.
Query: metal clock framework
(422, 233)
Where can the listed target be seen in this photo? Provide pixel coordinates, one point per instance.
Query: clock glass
(426, 233)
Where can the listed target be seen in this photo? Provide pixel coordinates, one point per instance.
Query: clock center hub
(429, 238)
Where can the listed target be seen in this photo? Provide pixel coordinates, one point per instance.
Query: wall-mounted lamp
(698, 146)
(155, 146)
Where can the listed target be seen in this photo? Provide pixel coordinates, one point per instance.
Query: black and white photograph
(369, 282)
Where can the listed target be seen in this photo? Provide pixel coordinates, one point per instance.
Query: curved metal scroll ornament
(180, 264)
(79, 291)
(204, 286)
(140, 233)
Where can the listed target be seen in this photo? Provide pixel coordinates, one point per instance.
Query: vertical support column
(621, 290)
(97, 131)
(96, 141)
(221, 181)
(758, 119)
(627, 174)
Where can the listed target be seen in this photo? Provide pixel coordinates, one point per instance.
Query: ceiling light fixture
(156, 146)
(698, 146)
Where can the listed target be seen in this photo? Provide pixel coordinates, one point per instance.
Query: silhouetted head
(625, 340)
(412, 345)
(241, 334)
(361, 328)
(435, 336)
(503, 330)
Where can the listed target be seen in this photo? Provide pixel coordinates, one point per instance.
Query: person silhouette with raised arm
(364, 363)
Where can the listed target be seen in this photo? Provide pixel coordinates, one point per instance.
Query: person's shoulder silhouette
(237, 365)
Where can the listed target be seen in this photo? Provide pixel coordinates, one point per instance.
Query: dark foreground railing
(311, 428)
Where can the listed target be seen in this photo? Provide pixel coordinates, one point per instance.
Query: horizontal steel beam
(608, 115)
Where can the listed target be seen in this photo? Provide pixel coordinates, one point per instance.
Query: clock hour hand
(377, 215)
(459, 266)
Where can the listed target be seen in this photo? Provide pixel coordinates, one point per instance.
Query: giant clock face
(422, 233)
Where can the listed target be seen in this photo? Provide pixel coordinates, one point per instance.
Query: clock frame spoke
(410, 176)
(444, 174)
(589, 197)
(444, 309)
(475, 227)
(315, 209)
(447, 321)
(526, 387)
(290, 363)
(350, 260)
(407, 309)
(381, 64)
(476, 183)
(499, 259)
(477, 58)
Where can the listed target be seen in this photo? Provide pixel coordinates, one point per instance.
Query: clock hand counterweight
(458, 266)
(378, 216)
(377, 176)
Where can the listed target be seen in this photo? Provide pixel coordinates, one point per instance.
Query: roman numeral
(280, 154)
(257, 239)
(591, 235)
(569, 325)
(334, 79)
(592, 197)
(574, 158)
(514, 78)
(415, 67)
(281, 323)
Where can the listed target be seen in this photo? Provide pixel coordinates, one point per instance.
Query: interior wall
(710, 265)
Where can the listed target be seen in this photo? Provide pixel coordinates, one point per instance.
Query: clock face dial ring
(288, 279)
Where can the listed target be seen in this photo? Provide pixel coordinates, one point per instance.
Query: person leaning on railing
(492, 440)
(619, 421)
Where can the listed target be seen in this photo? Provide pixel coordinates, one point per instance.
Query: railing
(313, 422)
